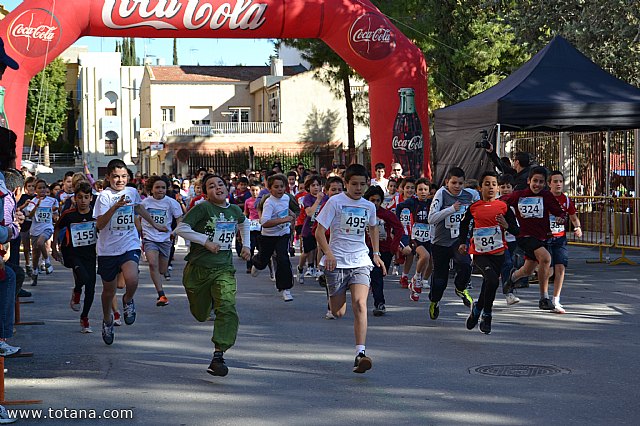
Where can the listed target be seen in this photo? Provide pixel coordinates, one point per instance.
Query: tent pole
(498, 140)
(636, 163)
(610, 216)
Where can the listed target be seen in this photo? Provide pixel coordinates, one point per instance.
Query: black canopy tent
(559, 89)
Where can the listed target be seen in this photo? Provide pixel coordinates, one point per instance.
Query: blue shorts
(110, 266)
(557, 247)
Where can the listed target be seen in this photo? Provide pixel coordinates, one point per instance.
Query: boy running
(557, 244)
(78, 247)
(447, 208)
(346, 257)
(43, 210)
(118, 245)
(209, 273)
(533, 207)
(487, 244)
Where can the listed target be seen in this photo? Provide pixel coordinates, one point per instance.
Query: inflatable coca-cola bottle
(407, 142)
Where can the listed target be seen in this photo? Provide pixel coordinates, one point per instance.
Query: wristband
(376, 253)
(577, 227)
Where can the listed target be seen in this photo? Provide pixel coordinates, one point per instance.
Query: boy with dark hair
(533, 208)
(505, 183)
(557, 244)
(380, 180)
(346, 258)
(445, 215)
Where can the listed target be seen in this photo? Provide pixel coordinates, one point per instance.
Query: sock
(556, 300)
(545, 295)
(359, 349)
(160, 293)
(217, 354)
(404, 275)
(300, 269)
(418, 277)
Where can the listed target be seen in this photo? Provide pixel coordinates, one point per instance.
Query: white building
(109, 118)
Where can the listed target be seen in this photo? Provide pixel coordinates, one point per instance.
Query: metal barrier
(626, 225)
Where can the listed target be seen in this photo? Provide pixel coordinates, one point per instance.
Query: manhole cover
(518, 370)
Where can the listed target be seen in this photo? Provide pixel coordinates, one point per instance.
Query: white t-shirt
(274, 208)
(43, 218)
(120, 234)
(348, 219)
(162, 212)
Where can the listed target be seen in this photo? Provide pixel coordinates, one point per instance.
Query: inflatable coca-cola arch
(37, 31)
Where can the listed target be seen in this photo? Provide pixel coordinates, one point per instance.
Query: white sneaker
(329, 315)
(254, 271)
(7, 350)
(4, 416)
(512, 299)
(310, 272)
(318, 273)
(425, 285)
(286, 295)
(301, 277)
(558, 309)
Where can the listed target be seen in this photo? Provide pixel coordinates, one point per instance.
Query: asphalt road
(290, 366)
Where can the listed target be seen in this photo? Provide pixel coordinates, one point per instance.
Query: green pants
(204, 285)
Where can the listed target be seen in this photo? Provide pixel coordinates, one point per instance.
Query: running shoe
(85, 327)
(301, 276)
(404, 281)
(510, 284)
(74, 303)
(8, 350)
(434, 310)
(129, 310)
(485, 324)
(465, 296)
(167, 276)
(309, 272)
(162, 301)
(317, 273)
(107, 331)
(512, 299)
(42, 267)
(286, 295)
(169, 268)
(362, 363)
(48, 268)
(415, 288)
(117, 321)
(28, 270)
(24, 293)
(217, 366)
(545, 304)
(472, 319)
(379, 310)
(34, 279)
(254, 271)
(329, 315)
(558, 308)
(322, 280)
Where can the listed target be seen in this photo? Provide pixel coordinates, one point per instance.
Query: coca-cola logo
(188, 14)
(371, 37)
(34, 32)
(413, 144)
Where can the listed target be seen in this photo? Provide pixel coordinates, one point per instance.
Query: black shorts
(110, 266)
(529, 245)
(298, 230)
(426, 245)
(309, 244)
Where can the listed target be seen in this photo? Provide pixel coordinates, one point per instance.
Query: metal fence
(224, 162)
(583, 158)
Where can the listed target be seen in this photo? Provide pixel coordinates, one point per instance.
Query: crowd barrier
(608, 223)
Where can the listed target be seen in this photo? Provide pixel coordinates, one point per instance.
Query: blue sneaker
(129, 311)
(107, 332)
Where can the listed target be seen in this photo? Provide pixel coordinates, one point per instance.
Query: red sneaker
(415, 288)
(404, 282)
(74, 303)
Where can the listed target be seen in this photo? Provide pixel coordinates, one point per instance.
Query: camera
(484, 142)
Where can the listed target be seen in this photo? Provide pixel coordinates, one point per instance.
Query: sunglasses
(397, 170)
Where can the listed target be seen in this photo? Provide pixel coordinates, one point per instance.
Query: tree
(175, 51)
(332, 70)
(47, 104)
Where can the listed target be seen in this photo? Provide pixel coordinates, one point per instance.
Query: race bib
(556, 228)
(487, 239)
(83, 234)
(353, 220)
(254, 225)
(44, 215)
(122, 219)
(387, 202)
(452, 222)
(314, 216)
(224, 233)
(159, 216)
(531, 207)
(382, 230)
(420, 232)
(405, 218)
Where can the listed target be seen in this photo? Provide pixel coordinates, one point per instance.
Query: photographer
(521, 163)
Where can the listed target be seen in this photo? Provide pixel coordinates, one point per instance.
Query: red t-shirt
(533, 210)
(488, 237)
(569, 207)
(303, 214)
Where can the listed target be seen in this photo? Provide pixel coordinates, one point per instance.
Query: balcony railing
(55, 158)
(223, 128)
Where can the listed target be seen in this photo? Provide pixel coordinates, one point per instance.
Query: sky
(190, 51)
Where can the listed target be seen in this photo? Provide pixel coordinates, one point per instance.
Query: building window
(201, 122)
(239, 114)
(110, 112)
(111, 143)
(168, 115)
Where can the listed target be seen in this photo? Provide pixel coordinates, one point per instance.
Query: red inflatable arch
(39, 30)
